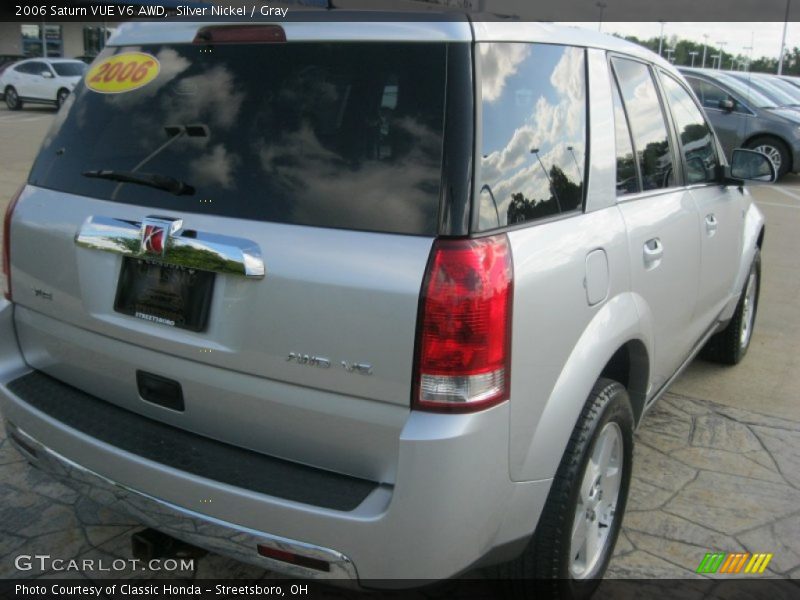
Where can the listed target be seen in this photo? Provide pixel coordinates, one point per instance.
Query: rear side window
(696, 137)
(646, 119)
(533, 147)
(627, 179)
(344, 135)
(32, 68)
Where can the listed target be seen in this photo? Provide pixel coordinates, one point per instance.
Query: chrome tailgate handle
(164, 240)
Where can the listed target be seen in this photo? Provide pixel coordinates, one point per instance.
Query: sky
(766, 37)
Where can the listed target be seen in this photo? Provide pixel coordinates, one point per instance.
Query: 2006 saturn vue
(371, 301)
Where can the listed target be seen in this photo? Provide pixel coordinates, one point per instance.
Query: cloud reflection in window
(534, 132)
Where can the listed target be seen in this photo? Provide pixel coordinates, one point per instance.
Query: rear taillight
(7, 243)
(464, 331)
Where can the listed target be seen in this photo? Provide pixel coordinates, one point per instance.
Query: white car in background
(40, 81)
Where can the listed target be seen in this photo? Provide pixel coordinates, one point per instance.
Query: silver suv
(371, 300)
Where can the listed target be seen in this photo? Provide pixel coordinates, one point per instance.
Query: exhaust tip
(150, 544)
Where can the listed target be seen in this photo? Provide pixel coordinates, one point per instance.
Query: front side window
(650, 138)
(711, 96)
(696, 137)
(70, 69)
(533, 151)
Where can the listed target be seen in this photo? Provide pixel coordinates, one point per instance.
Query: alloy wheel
(748, 311)
(772, 153)
(11, 98)
(597, 502)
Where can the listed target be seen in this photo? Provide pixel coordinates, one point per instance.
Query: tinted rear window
(345, 135)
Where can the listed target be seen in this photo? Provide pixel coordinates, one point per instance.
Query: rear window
(343, 135)
(73, 69)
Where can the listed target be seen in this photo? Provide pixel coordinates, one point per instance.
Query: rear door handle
(711, 224)
(653, 252)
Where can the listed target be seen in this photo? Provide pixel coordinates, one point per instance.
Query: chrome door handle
(653, 252)
(711, 224)
(186, 248)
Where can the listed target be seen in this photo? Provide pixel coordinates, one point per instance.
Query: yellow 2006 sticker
(123, 73)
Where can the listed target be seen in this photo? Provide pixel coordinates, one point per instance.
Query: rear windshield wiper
(161, 182)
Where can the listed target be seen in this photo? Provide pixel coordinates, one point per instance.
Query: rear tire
(12, 98)
(578, 528)
(776, 150)
(730, 345)
(61, 97)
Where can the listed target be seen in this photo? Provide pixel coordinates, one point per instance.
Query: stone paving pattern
(707, 477)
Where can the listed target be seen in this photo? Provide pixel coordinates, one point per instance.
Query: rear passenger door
(719, 207)
(660, 216)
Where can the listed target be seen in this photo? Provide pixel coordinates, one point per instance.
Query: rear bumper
(224, 538)
(452, 503)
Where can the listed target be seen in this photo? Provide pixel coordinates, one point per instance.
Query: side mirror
(728, 104)
(749, 165)
(46, 74)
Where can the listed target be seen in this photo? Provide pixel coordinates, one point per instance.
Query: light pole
(783, 39)
(669, 52)
(693, 54)
(572, 151)
(546, 174)
(602, 6)
(705, 44)
(491, 194)
(44, 38)
(749, 50)
(661, 38)
(721, 52)
(714, 58)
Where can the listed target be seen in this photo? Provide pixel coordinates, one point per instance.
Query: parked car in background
(40, 81)
(401, 343)
(9, 59)
(781, 83)
(792, 79)
(86, 58)
(783, 94)
(745, 117)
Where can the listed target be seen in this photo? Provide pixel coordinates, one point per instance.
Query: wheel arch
(752, 242)
(781, 139)
(616, 343)
(630, 366)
